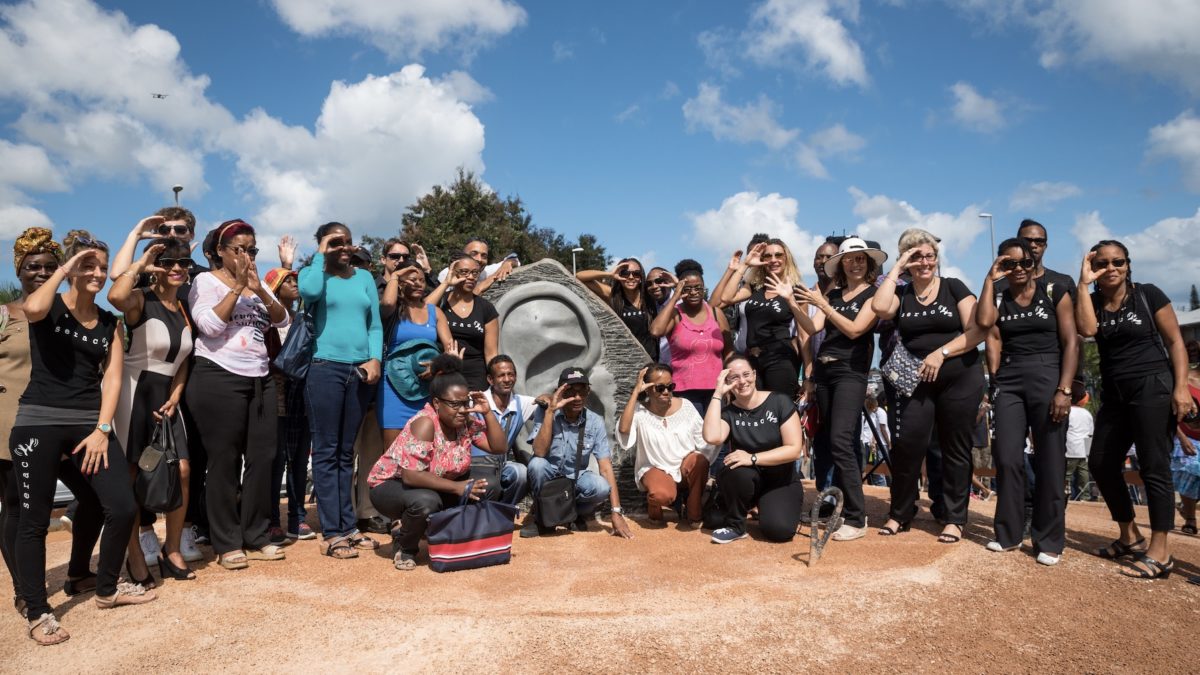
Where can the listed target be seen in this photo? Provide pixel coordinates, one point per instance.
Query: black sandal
(886, 531)
(341, 549)
(1156, 569)
(1119, 549)
(77, 585)
(944, 538)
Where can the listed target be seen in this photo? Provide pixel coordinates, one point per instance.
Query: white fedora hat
(854, 245)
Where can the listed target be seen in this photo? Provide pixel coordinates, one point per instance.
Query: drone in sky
(152, 95)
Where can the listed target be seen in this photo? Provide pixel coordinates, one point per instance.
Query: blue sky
(668, 129)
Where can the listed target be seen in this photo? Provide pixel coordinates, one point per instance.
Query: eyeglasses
(1010, 265)
(455, 405)
(168, 230)
(1117, 263)
(579, 390)
(922, 257)
(1040, 241)
(398, 256)
(663, 388)
(688, 290)
(37, 268)
(470, 274)
(183, 263)
(736, 377)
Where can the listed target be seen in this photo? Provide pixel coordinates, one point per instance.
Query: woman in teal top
(347, 350)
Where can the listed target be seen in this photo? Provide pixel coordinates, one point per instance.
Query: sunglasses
(398, 256)
(88, 242)
(168, 230)
(663, 388)
(183, 263)
(1023, 263)
(1040, 241)
(455, 405)
(579, 390)
(1117, 263)
(772, 256)
(688, 290)
(630, 275)
(252, 251)
(660, 281)
(37, 268)
(470, 274)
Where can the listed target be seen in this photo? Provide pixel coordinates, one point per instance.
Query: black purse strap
(579, 443)
(1140, 295)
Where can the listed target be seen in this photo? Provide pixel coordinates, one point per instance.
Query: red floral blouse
(441, 456)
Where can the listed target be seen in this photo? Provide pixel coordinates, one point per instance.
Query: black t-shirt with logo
(1032, 329)
(67, 360)
(638, 322)
(856, 351)
(768, 322)
(925, 328)
(468, 332)
(759, 429)
(1052, 280)
(1126, 338)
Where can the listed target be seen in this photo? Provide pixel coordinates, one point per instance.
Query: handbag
(902, 370)
(296, 352)
(471, 535)
(157, 485)
(556, 501)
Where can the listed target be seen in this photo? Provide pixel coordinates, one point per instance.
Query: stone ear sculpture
(549, 321)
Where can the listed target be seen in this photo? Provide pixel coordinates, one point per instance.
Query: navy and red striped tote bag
(473, 535)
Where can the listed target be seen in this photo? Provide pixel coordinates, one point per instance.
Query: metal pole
(991, 232)
(577, 249)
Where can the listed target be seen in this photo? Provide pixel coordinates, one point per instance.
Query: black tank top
(768, 322)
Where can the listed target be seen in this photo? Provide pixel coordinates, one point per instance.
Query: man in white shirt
(878, 415)
(1080, 426)
(513, 410)
(478, 250)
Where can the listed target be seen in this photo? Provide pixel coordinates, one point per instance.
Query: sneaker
(150, 546)
(276, 536)
(727, 535)
(201, 536)
(531, 528)
(65, 520)
(1048, 560)
(995, 547)
(303, 532)
(187, 545)
(849, 532)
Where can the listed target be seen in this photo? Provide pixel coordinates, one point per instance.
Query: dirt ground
(667, 601)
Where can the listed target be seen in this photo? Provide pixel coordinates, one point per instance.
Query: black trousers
(236, 419)
(38, 453)
(951, 402)
(1136, 411)
(197, 512)
(841, 393)
(1025, 388)
(778, 369)
(412, 508)
(777, 492)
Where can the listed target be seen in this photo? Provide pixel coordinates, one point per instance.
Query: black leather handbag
(157, 486)
(556, 501)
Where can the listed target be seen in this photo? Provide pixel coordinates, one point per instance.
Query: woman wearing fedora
(841, 364)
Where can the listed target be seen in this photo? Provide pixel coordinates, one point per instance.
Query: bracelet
(718, 398)
(889, 278)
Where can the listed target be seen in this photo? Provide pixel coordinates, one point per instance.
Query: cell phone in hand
(362, 373)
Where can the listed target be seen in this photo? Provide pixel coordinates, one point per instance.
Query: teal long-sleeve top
(346, 315)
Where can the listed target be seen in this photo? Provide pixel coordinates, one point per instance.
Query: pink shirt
(696, 351)
(237, 345)
(442, 457)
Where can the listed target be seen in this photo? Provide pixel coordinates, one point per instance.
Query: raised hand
(723, 385)
(754, 257)
(904, 261)
(776, 285)
(735, 260)
(812, 296)
(419, 255)
(997, 272)
(250, 272)
(1088, 275)
(324, 245)
(147, 228)
(146, 262)
(287, 251)
(479, 403)
(640, 385)
(72, 267)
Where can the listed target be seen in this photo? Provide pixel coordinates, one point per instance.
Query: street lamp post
(577, 249)
(991, 232)
(177, 189)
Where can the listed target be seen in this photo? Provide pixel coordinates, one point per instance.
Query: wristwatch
(754, 460)
(618, 510)
(1063, 390)
(945, 353)
(104, 428)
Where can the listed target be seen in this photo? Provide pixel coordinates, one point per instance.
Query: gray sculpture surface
(549, 321)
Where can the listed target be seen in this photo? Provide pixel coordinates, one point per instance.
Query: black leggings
(777, 492)
(1025, 390)
(1136, 410)
(778, 369)
(951, 402)
(841, 393)
(412, 507)
(237, 418)
(39, 451)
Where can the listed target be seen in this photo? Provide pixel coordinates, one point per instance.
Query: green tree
(9, 292)
(1194, 299)
(443, 220)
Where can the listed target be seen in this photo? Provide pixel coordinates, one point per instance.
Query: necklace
(928, 290)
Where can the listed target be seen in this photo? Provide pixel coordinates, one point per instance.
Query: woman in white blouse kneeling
(672, 457)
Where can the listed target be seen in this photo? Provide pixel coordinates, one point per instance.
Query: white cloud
(409, 28)
(808, 32)
(1158, 37)
(28, 167)
(669, 91)
(1179, 140)
(750, 123)
(1166, 253)
(744, 214)
(718, 47)
(756, 123)
(353, 166)
(627, 114)
(562, 51)
(1041, 195)
(975, 111)
(883, 219)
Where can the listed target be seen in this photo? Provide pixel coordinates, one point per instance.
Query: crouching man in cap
(559, 451)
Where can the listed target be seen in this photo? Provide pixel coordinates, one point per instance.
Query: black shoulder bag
(157, 485)
(556, 501)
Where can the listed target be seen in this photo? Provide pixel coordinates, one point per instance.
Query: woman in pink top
(697, 333)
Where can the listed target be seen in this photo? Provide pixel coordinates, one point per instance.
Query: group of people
(407, 407)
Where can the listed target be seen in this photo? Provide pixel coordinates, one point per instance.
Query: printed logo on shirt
(1127, 316)
(932, 310)
(255, 316)
(461, 323)
(773, 304)
(103, 341)
(850, 310)
(1038, 311)
(768, 418)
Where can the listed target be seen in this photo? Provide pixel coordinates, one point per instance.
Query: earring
(153, 279)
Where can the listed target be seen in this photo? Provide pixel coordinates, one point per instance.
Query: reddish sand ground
(667, 601)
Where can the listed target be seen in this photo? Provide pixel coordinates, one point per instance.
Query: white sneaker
(150, 547)
(187, 546)
(1048, 560)
(849, 533)
(995, 547)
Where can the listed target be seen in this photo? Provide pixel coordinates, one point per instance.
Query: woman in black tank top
(628, 297)
(1032, 352)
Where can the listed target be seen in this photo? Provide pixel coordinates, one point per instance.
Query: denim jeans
(591, 489)
(291, 460)
(336, 400)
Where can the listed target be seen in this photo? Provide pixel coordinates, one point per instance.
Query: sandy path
(667, 601)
